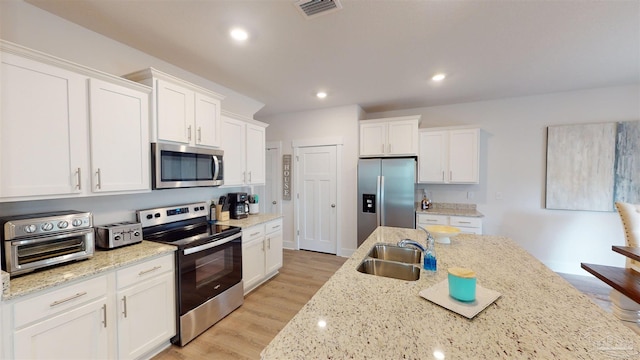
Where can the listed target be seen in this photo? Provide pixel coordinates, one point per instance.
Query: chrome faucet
(429, 237)
(406, 242)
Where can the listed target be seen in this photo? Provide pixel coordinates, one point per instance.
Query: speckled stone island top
(102, 260)
(538, 316)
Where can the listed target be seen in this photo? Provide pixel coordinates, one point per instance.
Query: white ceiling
(379, 54)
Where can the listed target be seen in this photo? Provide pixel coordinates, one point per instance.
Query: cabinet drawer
(470, 222)
(432, 219)
(59, 300)
(273, 226)
(145, 270)
(252, 233)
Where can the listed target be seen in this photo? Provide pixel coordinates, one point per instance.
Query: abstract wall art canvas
(590, 166)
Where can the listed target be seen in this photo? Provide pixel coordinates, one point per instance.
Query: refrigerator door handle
(380, 202)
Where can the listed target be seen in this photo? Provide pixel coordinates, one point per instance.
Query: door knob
(333, 205)
(274, 202)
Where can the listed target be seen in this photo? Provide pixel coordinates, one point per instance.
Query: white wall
(333, 122)
(513, 151)
(29, 26)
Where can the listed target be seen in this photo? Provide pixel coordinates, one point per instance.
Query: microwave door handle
(216, 164)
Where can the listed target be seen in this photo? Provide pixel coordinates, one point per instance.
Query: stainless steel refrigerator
(386, 191)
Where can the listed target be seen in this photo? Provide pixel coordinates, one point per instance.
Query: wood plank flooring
(266, 310)
(245, 332)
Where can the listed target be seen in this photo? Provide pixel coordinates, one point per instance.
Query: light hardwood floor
(266, 310)
(245, 332)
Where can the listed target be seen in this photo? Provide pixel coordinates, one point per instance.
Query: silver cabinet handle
(255, 233)
(450, 175)
(249, 176)
(99, 182)
(389, 147)
(275, 227)
(464, 222)
(124, 306)
(58, 302)
(199, 134)
(79, 179)
(244, 176)
(149, 270)
(383, 148)
(104, 313)
(443, 176)
(189, 132)
(268, 243)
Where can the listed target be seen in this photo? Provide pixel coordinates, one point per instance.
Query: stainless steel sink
(390, 269)
(395, 253)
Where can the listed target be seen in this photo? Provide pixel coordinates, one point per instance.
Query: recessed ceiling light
(438, 77)
(321, 94)
(239, 34)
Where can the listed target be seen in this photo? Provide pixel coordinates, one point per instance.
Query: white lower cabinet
(261, 253)
(146, 307)
(124, 314)
(466, 224)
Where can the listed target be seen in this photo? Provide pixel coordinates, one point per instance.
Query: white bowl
(442, 233)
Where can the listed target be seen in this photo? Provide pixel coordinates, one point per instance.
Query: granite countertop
(539, 314)
(450, 209)
(251, 220)
(102, 260)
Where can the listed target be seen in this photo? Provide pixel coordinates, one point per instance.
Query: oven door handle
(206, 246)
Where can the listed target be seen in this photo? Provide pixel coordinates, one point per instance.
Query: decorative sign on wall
(591, 166)
(286, 177)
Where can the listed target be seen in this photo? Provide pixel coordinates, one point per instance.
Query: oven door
(25, 255)
(208, 270)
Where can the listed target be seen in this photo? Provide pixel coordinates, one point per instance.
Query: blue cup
(462, 284)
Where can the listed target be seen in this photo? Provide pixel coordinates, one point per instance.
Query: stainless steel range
(35, 241)
(208, 265)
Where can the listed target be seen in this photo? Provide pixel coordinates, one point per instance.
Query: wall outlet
(470, 195)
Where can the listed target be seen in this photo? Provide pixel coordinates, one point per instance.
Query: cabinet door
(463, 156)
(43, 127)
(433, 158)
(119, 119)
(146, 315)
(373, 139)
(256, 153)
(80, 333)
(233, 144)
(207, 120)
(253, 263)
(273, 252)
(175, 112)
(402, 138)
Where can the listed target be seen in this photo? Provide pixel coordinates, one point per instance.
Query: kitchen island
(539, 314)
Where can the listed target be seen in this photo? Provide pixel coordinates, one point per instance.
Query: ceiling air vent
(313, 8)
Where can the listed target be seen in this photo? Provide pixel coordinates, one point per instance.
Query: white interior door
(316, 194)
(271, 202)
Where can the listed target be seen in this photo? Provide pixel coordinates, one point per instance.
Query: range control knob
(76, 222)
(136, 233)
(63, 224)
(157, 215)
(30, 229)
(149, 217)
(46, 226)
(117, 238)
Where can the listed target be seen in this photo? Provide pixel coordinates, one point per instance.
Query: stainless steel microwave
(180, 166)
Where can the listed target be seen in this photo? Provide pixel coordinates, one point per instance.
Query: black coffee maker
(238, 208)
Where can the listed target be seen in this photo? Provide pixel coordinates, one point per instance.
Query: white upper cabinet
(184, 113)
(243, 142)
(67, 130)
(119, 118)
(389, 137)
(449, 156)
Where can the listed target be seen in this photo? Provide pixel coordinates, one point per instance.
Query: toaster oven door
(25, 255)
